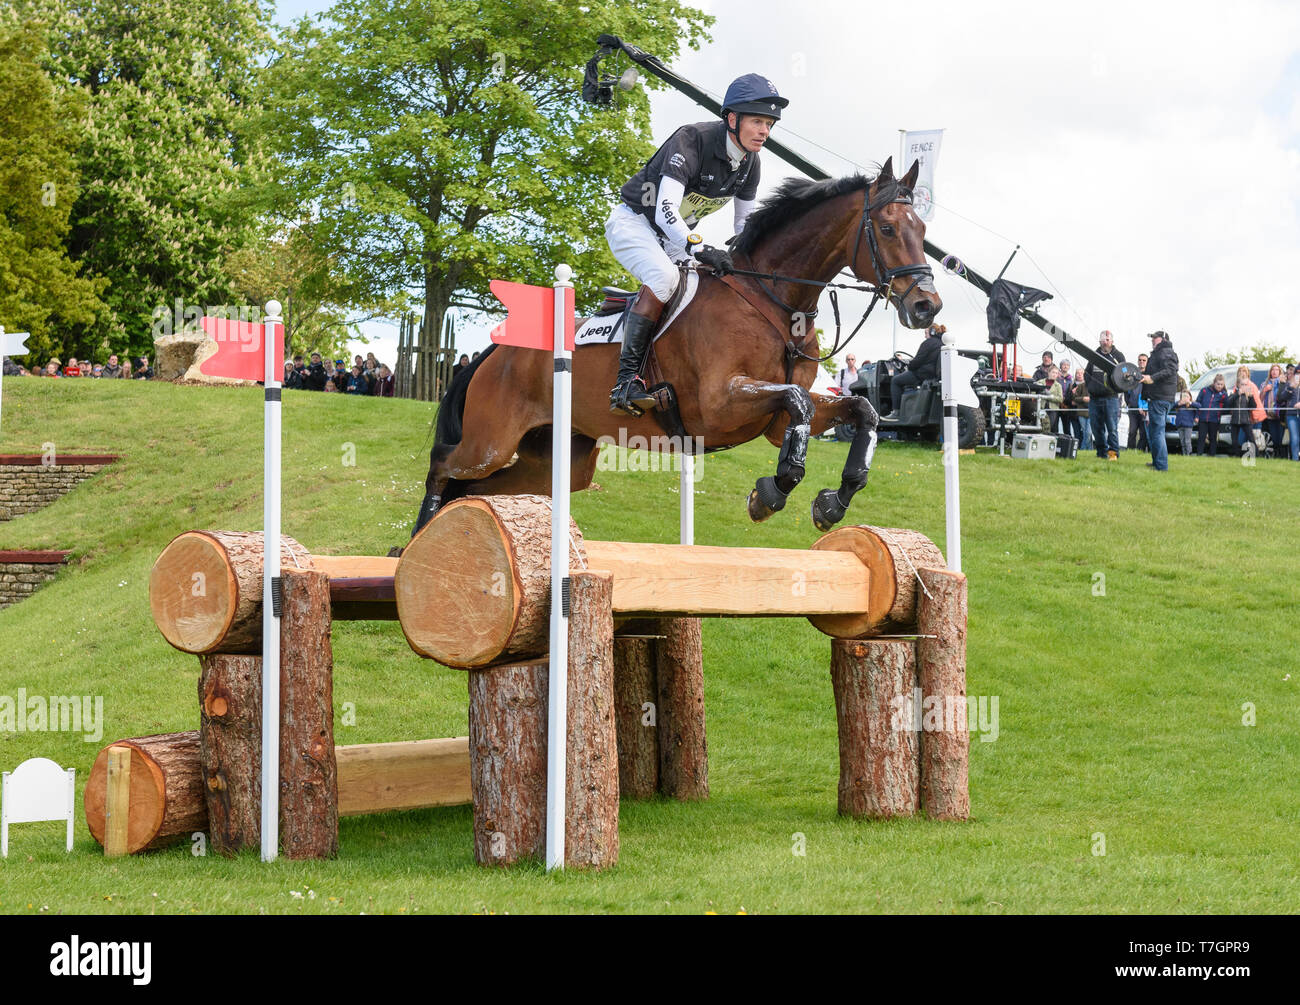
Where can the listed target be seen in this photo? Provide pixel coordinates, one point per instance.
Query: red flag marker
(239, 350)
(530, 318)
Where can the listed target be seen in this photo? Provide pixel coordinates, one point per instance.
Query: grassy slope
(1118, 714)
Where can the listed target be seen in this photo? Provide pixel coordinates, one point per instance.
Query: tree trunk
(591, 776)
(507, 751)
(166, 799)
(945, 751)
(636, 701)
(309, 802)
(230, 743)
(683, 746)
(879, 757)
(205, 589)
(893, 555)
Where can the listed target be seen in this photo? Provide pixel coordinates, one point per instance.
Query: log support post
(508, 744)
(945, 736)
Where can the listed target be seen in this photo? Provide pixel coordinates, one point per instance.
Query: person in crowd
(1103, 403)
(384, 383)
(848, 373)
(356, 380)
(371, 362)
(126, 369)
(329, 385)
(73, 369)
(1246, 413)
(1209, 414)
(52, 368)
(1041, 372)
(97, 371)
(1050, 413)
(359, 360)
(474, 357)
(924, 366)
(10, 368)
(1136, 403)
(142, 369)
(1184, 421)
(1075, 403)
(1288, 406)
(1066, 376)
(460, 365)
(1273, 422)
(340, 375)
(113, 369)
(292, 382)
(1161, 378)
(316, 375)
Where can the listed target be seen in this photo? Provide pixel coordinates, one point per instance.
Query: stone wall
(22, 573)
(27, 483)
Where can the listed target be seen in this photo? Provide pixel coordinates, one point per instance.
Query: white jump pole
(951, 483)
(561, 446)
(687, 487)
(272, 331)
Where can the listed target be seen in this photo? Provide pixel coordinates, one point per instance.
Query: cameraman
(924, 366)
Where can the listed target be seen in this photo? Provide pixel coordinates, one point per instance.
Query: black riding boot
(630, 396)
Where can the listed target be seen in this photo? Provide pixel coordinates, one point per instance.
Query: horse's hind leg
(829, 506)
(770, 492)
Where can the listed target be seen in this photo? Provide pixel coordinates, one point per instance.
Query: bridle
(893, 193)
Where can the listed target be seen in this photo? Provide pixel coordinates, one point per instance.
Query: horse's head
(888, 248)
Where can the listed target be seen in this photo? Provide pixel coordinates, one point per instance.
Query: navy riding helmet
(752, 94)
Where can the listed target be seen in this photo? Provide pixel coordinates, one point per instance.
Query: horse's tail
(449, 429)
(451, 412)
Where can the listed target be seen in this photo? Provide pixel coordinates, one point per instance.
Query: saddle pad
(610, 327)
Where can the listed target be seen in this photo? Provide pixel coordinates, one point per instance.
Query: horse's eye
(887, 229)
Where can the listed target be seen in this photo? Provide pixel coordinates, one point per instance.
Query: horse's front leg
(770, 493)
(829, 506)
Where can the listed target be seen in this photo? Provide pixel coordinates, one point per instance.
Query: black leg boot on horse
(630, 396)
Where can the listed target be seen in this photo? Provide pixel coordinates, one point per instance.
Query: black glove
(716, 259)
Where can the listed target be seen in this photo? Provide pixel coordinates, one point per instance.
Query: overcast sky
(1146, 156)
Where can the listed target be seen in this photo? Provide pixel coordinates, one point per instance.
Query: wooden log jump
(473, 587)
(167, 803)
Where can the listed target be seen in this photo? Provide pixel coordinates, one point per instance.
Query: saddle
(620, 301)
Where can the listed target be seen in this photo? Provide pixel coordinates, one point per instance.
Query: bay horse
(742, 357)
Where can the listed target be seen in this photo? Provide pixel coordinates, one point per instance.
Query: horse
(741, 357)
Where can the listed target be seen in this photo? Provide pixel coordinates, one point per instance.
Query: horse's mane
(794, 198)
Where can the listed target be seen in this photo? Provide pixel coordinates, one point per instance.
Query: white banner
(923, 146)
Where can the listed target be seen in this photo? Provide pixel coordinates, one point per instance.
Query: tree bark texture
(945, 752)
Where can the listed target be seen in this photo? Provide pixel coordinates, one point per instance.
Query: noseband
(885, 277)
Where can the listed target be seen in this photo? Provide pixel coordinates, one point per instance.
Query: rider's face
(754, 130)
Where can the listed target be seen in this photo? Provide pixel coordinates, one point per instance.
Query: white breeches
(638, 249)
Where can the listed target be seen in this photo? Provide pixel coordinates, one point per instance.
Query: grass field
(1128, 622)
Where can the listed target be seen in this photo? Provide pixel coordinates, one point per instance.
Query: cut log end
(893, 555)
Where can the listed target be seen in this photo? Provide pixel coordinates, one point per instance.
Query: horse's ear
(886, 171)
(909, 179)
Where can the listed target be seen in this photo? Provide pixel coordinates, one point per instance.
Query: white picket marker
(272, 329)
(561, 447)
(951, 483)
(686, 512)
(11, 344)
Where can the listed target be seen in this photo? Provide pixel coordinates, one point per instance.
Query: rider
(699, 169)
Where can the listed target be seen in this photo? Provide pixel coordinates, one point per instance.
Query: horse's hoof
(827, 510)
(765, 499)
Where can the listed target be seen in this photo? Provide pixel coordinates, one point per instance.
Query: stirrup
(631, 398)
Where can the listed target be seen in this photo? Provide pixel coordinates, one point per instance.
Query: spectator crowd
(129, 369)
(366, 376)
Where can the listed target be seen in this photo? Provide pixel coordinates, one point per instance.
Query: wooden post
(230, 745)
(118, 802)
(309, 804)
(591, 802)
(507, 756)
(683, 747)
(874, 681)
(945, 736)
(636, 703)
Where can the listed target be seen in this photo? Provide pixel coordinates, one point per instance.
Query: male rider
(699, 170)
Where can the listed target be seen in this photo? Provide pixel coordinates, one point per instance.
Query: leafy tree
(40, 288)
(164, 149)
(1260, 352)
(443, 143)
(322, 309)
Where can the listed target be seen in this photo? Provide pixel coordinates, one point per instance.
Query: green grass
(1118, 714)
